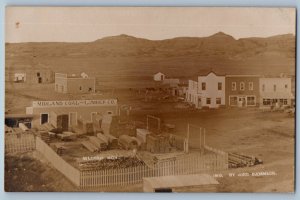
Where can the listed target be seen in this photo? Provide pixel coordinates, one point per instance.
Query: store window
(208, 101)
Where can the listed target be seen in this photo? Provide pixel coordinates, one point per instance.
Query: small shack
(159, 76)
(181, 183)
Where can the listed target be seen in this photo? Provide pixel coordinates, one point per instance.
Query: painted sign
(74, 103)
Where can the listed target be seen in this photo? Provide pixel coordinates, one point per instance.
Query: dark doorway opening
(163, 190)
(40, 80)
(44, 118)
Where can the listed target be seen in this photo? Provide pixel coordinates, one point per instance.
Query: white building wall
(279, 82)
(283, 89)
(159, 76)
(211, 90)
(192, 92)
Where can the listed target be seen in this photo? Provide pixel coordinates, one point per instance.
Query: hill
(125, 55)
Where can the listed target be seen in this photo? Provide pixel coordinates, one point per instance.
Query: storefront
(67, 113)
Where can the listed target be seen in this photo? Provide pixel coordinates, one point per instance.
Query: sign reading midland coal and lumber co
(74, 103)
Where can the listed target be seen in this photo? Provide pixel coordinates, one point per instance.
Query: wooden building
(66, 114)
(74, 84)
(242, 90)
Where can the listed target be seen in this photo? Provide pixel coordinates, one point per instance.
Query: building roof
(181, 181)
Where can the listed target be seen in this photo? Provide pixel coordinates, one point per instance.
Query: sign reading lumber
(72, 103)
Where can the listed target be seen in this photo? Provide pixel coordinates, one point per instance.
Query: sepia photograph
(150, 99)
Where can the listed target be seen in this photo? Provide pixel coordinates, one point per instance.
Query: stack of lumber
(67, 136)
(45, 136)
(89, 146)
(158, 143)
(86, 126)
(177, 141)
(107, 163)
(99, 143)
(112, 141)
(78, 131)
(236, 160)
(103, 137)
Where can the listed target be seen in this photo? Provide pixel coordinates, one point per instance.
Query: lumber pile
(177, 141)
(158, 143)
(112, 141)
(109, 163)
(89, 146)
(99, 143)
(65, 136)
(45, 136)
(236, 160)
(86, 126)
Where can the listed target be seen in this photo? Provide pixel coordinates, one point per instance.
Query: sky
(85, 24)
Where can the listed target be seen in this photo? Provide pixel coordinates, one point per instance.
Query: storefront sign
(74, 103)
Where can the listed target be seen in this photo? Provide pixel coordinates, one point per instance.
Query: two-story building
(275, 91)
(207, 91)
(242, 90)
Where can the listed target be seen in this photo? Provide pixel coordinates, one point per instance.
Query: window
(208, 100)
(204, 86)
(218, 101)
(251, 101)
(219, 86)
(233, 101)
(233, 86)
(286, 86)
(80, 88)
(251, 86)
(274, 88)
(90, 89)
(266, 102)
(263, 87)
(285, 101)
(242, 86)
(38, 74)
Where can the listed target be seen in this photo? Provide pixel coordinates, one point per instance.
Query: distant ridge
(253, 55)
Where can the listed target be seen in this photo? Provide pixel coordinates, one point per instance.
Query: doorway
(242, 101)
(44, 118)
(40, 79)
(72, 119)
(199, 102)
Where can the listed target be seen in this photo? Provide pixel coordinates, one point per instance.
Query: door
(72, 119)
(44, 118)
(242, 101)
(63, 122)
(199, 102)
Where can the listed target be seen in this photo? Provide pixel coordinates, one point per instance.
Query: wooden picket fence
(191, 163)
(186, 164)
(17, 142)
(60, 164)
